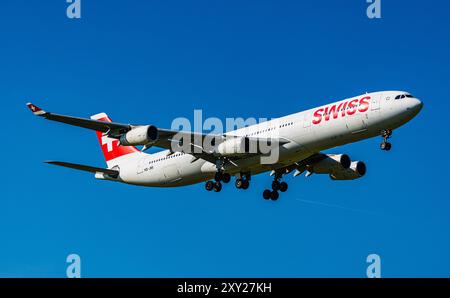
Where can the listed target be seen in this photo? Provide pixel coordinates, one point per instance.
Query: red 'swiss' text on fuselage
(344, 108)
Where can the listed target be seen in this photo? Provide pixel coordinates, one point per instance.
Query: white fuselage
(308, 132)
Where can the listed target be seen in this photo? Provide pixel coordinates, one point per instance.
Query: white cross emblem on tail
(109, 143)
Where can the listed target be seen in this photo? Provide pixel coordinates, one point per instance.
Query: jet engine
(330, 164)
(234, 146)
(356, 170)
(140, 135)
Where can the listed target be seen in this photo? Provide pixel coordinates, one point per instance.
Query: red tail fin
(110, 147)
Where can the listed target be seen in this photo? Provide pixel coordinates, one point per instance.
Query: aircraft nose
(414, 105)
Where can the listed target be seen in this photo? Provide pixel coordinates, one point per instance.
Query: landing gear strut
(385, 145)
(220, 175)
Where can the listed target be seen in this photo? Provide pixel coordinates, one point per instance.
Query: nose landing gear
(385, 145)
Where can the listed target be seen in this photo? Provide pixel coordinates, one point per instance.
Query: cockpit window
(404, 96)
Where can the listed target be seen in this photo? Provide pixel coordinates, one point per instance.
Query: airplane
(298, 138)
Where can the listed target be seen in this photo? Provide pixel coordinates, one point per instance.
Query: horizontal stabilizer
(112, 173)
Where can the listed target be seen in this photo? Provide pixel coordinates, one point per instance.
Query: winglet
(36, 110)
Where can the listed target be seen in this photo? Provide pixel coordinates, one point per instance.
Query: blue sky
(152, 61)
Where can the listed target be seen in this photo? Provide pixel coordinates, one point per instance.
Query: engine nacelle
(332, 163)
(234, 146)
(356, 170)
(140, 135)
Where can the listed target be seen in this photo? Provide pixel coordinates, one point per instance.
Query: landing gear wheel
(283, 186)
(245, 184)
(275, 185)
(274, 195)
(209, 185)
(238, 183)
(226, 177)
(217, 186)
(218, 176)
(386, 146)
(267, 194)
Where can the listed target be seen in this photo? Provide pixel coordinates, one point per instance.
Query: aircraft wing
(340, 165)
(165, 140)
(96, 125)
(301, 165)
(112, 129)
(195, 148)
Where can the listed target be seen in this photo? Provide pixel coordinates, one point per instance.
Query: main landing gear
(242, 182)
(213, 185)
(276, 186)
(216, 185)
(224, 177)
(385, 145)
